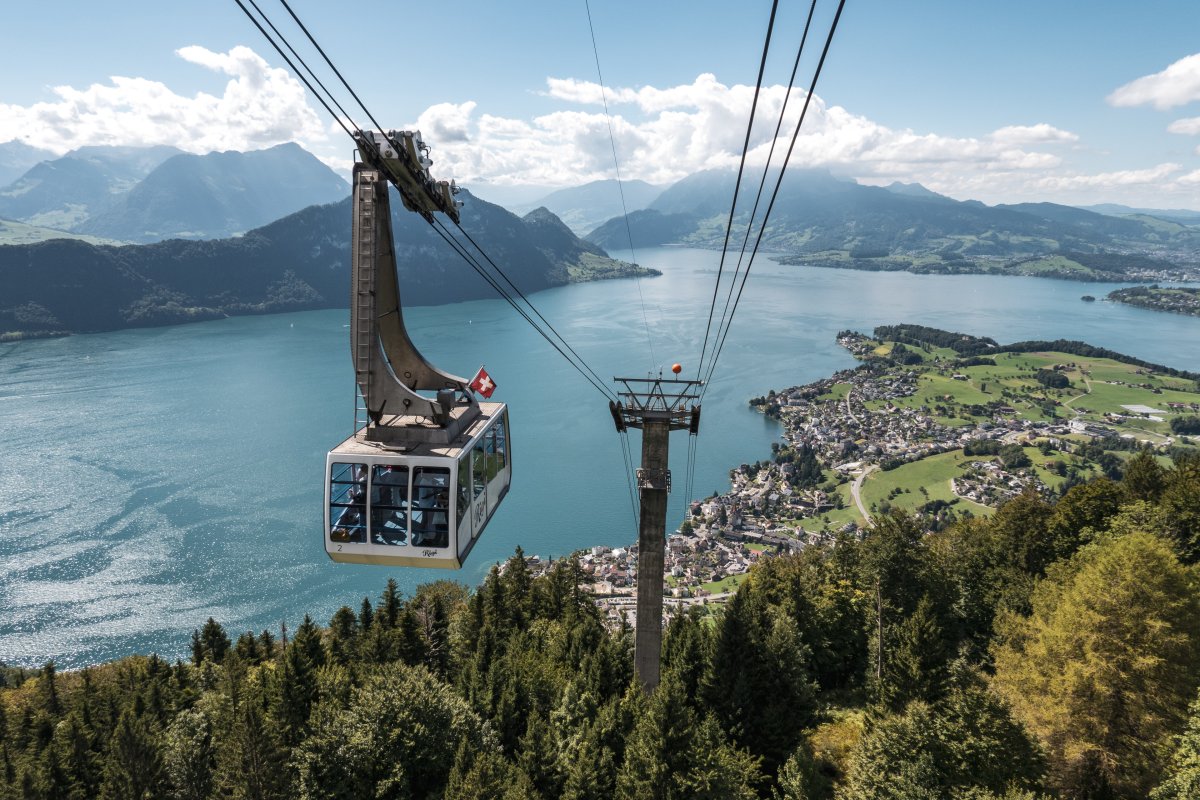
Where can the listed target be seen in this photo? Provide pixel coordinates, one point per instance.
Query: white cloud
(1152, 176)
(1190, 179)
(1176, 85)
(1032, 134)
(261, 106)
(446, 122)
(663, 134)
(1188, 127)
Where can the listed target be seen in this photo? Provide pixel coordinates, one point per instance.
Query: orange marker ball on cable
(676, 368)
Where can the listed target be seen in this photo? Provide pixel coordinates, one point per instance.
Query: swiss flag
(483, 383)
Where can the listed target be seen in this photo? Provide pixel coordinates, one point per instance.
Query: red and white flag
(483, 383)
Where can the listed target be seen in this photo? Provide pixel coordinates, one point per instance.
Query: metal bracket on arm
(389, 369)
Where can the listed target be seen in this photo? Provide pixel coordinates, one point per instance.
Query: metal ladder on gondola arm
(389, 371)
(363, 303)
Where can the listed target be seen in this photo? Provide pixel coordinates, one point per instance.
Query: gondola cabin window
(431, 507)
(347, 503)
(496, 446)
(389, 504)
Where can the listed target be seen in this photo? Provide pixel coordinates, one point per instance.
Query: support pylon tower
(657, 406)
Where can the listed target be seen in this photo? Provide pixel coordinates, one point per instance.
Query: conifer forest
(1050, 651)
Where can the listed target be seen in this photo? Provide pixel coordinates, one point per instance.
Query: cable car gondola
(422, 506)
(428, 465)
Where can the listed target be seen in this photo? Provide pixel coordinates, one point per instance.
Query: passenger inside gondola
(347, 504)
(431, 511)
(389, 504)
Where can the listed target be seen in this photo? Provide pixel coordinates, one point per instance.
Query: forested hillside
(1052, 650)
(297, 263)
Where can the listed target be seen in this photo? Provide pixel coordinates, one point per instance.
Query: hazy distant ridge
(155, 193)
(825, 220)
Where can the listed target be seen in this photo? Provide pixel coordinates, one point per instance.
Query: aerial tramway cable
(336, 71)
(578, 363)
(561, 345)
(775, 191)
(766, 170)
(284, 56)
(304, 64)
(762, 65)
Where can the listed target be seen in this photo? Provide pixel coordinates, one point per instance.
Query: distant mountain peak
(912, 190)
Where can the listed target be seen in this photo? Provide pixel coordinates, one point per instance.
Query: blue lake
(153, 478)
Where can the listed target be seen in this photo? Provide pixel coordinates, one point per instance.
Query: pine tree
(486, 775)
(538, 757)
(715, 769)
(266, 644)
(669, 756)
(133, 766)
(1180, 504)
(757, 682)
(1021, 528)
(656, 746)
(1144, 478)
(55, 782)
(366, 615)
(247, 648)
(798, 778)
(296, 691)
(685, 650)
(75, 755)
(251, 762)
(343, 637)
(916, 668)
(389, 605)
(48, 689)
(901, 757)
(308, 639)
(210, 642)
(590, 763)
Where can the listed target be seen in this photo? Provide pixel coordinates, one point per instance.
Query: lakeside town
(917, 427)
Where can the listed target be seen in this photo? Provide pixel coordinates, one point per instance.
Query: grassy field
(933, 474)
(724, 585)
(1054, 265)
(20, 233)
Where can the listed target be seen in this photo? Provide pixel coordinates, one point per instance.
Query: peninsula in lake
(1176, 299)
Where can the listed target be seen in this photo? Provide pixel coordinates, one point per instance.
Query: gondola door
(462, 504)
(479, 482)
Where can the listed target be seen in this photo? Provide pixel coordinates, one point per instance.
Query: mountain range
(147, 194)
(299, 260)
(822, 220)
(295, 263)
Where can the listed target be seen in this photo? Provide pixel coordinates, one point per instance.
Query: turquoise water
(153, 478)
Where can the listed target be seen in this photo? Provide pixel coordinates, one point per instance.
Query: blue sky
(1060, 100)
